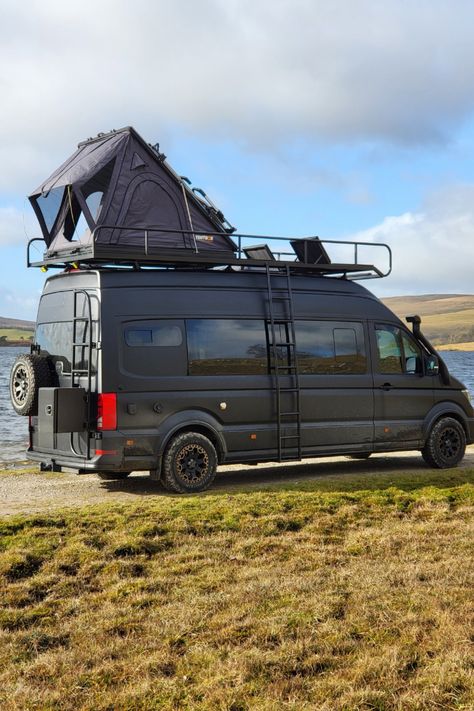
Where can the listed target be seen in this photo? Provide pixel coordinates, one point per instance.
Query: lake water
(14, 429)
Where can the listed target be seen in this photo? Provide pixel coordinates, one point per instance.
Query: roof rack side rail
(351, 268)
(29, 263)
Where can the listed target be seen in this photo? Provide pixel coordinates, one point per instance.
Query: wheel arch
(193, 421)
(445, 409)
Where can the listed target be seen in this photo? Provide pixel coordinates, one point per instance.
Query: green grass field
(15, 334)
(341, 593)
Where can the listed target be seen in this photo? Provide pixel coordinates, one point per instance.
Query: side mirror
(432, 365)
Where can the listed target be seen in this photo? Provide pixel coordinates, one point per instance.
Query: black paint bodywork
(341, 413)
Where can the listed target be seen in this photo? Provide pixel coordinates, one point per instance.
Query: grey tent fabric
(118, 191)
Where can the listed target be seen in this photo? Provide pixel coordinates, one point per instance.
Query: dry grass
(446, 319)
(342, 595)
(457, 347)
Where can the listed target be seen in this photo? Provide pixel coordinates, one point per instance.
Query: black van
(174, 357)
(176, 372)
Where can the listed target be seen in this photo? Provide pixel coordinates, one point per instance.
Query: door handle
(386, 386)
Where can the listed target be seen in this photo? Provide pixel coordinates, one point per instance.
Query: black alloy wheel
(445, 445)
(189, 463)
(29, 373)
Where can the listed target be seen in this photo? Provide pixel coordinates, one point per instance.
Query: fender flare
(444, 409)
(187, 419)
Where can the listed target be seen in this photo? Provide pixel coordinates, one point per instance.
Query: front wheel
(445, 445)
(189, 463)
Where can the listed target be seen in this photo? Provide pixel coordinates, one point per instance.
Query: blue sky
(341, 119)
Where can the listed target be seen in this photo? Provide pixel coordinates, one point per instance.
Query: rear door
(66, 332)
(403, 393)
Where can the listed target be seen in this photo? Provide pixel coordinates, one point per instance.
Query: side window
(162, 334)
(154, 348)
(389, 349)
(226, 347)
(412, 355)
(330, 347)
(398, 352)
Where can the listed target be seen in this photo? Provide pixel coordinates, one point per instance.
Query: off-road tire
(445, 445)
(359, 455)
(189, 463)
(113, 476)
(29, 373)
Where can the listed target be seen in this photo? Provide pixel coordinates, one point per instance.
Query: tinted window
(327, 347)
(226, 347)
(56, 339)
(389, 349)
(412, 355)
(160, 335)
(398, 351)
(154, 348)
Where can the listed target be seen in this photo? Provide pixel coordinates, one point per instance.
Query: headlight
(467, 394)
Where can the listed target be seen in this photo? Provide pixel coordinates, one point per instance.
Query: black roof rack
(309, 255)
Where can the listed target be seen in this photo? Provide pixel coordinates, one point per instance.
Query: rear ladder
(286, 377)
(84, 347)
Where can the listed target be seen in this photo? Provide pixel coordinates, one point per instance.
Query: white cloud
(433, 249)
(255, 70)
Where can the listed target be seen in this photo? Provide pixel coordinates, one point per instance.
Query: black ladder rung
(284, 367)
(289, 414)
(289, 390)
(80, 345)
(295, 436)
(282, 344)
(79, 372)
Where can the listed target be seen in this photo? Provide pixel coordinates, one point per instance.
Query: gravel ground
(35, 492)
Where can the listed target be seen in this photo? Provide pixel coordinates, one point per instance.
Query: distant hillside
(446, 318)
(16, 323)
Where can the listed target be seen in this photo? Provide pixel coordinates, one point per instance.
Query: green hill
(446, 318)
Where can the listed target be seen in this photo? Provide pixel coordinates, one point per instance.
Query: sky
(347, 119)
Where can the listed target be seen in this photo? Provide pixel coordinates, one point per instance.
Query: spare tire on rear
(29, 373)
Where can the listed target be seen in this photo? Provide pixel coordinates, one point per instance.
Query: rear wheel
(29, 373)
(189, 463)
(112, 476)
(445, 445)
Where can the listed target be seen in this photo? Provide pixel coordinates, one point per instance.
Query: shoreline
(466, 347)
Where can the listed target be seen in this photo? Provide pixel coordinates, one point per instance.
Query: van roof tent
(113, 189)
(117, 202)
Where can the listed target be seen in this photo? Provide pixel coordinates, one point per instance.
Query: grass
(457, 347)
(345, 593)
(15, 334)
(446, 319)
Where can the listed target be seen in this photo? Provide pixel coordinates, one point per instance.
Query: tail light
(107, 411)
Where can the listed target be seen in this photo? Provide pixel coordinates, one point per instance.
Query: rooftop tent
(116, 193)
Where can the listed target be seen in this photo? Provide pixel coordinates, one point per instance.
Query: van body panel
(143, 324)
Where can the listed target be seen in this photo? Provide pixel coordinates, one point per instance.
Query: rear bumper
(110, 453)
